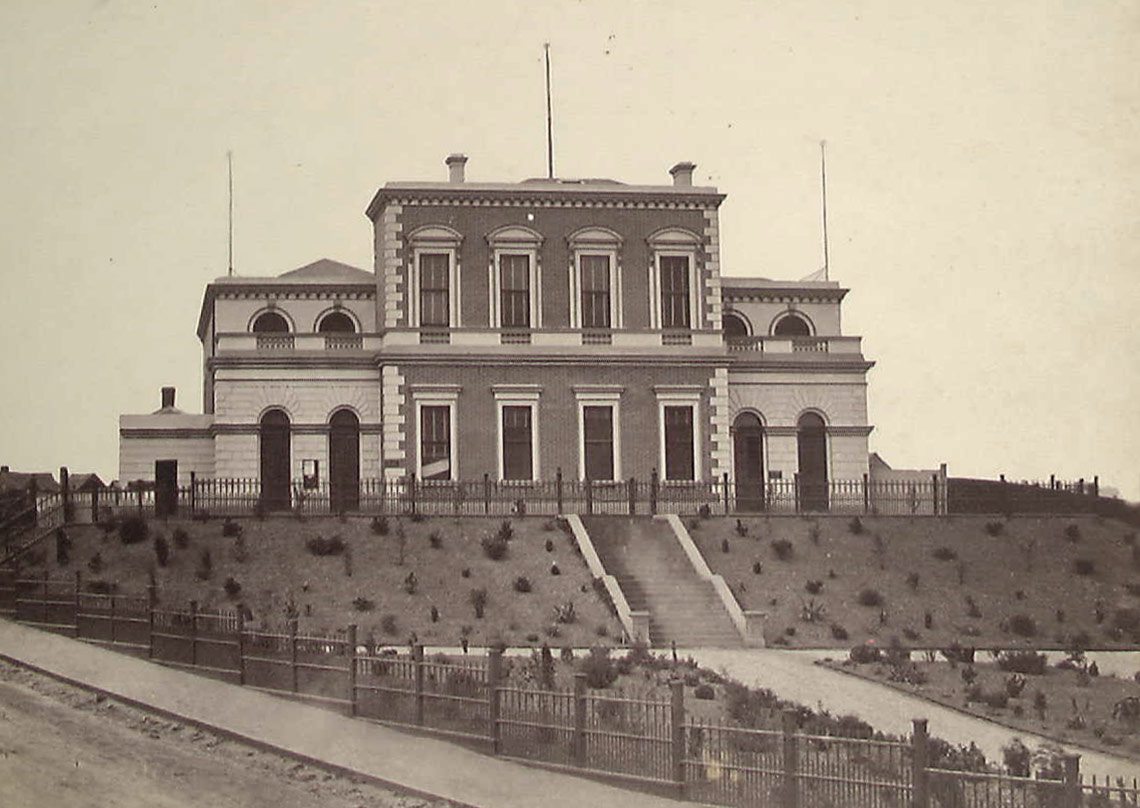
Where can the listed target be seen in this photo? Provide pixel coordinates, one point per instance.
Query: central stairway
(656, 576)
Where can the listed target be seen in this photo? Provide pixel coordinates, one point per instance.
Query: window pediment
(599, 237)
(673, 237)
(514, 236)
(435, 235)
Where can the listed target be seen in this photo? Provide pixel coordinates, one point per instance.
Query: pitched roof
(85, 482)
(326, 269)
(18, 481)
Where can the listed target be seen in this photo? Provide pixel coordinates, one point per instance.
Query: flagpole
(230, 164)
(549, 118)
(823, 188)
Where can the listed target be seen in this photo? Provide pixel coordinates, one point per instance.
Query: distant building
(514, 329)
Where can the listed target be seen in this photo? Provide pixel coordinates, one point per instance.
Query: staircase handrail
(634, 623)
(46, 525)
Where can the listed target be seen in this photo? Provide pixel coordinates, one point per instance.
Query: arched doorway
(344, 461)
(748, 462)
(811, 437)
(336, 322)
(274, 435)
(270, 323)
(792, 325)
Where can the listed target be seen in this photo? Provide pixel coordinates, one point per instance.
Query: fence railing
(651, 742)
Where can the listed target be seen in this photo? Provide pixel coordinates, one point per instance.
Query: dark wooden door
(812, 452)
(748, 453)
(275, 460)
(344, 462)
(165, 487)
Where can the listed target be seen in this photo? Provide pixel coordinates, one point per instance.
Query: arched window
(811, 439)
(270, 323)
(734, 326)
(344, 461)
(792, 325)
(275, 459)
(336, 322)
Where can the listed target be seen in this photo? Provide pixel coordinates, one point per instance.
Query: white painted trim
(599, 396)
(518, 400)
(679, 397)
(452, 284)
(437, 396)
(655, 313)
(616, 318)
(534, 279)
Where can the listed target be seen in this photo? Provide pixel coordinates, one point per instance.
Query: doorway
(748, 462)
(811, 439)
(344, 461)
(274, 433)
(165, 488)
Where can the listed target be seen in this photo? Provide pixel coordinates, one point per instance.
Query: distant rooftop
(321, 271)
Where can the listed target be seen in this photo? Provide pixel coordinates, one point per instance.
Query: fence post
(866, 493)
(677, 735)
(352, 669)
(33, 494)
(558, 488)
(934, 488)
(78, 584)
(293, 654)
(1096, 485)
(1072, 779)
(580, 720)
(112, 618)
(791, 759)
(920, 790)
(727, 506)
(138, 496)
(150, 602)
(486, 493)
(241, 643)
(654, 482)
(412, 493)
(65, 485)
(193, 632)
(632, 486)
(418, 661)
(193, 492)
(44, 600)
(589, 496)
(494, 695)
(94, 505)
(796, 483)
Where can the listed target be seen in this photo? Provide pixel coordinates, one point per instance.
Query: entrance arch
(344, 461)
(748, 462)
(274, 439)
(811, 439)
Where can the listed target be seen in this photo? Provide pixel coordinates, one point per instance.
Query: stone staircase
(656, 576)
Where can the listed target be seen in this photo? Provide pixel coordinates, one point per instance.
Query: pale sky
(982, 180)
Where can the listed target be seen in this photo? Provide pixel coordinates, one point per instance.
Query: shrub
(599, 668)
(1023, 625)
(945, 554)
(1025, 662)
(912, 580)
(231, 528)
(550, 545)
(870, 597)
(320, 546)
(1072, 533)
(972, 609)
(411, 583)
(813, 587)
(205, 565)
(434, 613)
(161, 550)
(1016, 758)
(838, 632)
(241, 552)
(181, 538)
(417, 517)
(995, 528)
(388, 624)
(101, 587)
(495, 546)
(522, 584)
(863, 654)
(704, 692)
(724, 547)
(1015, 684)
(379, 525)
(363, 604)
(783, 549)
(478, 600)
(133, 530)
(232, 587)
(855, 526)
(757, 568)
(436, 540)
(62, 547)
(564, 612)
(741, 529)
(813, 534)
(554, 569)
(95, 565)
(1084, 566)
(506, 532)
(704, 512)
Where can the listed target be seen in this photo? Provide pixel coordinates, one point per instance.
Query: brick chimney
(456, 165)
(167, 397)
(683, 173)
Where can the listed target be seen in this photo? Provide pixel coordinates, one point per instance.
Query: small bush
(465, 572)
(320, 546)
(783, 549)
(95, 565)
(855, 526)
(995, 528)
(434, 613)
(704, 512)
(522, 584)
(417, 517)
(232, 587)
(436, 540)
(411, 583)
(724, 546)
(741, 529)
(133, 530)
(1072, 533)
(1023, 625)
(757, 568)
(1084, 566)
(1024, 662)
(161, 550)
(505, 532)
(599, 668)
(363, 604)
(704, 692)
(495, 546)
(550, 545)
(813, 587)
(205, 565)
(863, 654)
(945, 554)
(554, 568)
(181, 538)
(62, 547)
(912, 580)
(838, 632)
(231, 528)
(379, 525)
(240, 551)
(564, 612)
(478, 600)
(870, 597)
(388, 624)
(972, 609)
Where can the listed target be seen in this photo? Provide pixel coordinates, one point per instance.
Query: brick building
(513, 330)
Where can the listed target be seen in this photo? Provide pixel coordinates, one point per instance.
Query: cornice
(543, 198)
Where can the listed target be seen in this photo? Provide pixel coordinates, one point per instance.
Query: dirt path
(62, 746)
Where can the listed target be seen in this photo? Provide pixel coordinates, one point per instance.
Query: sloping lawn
(1036, 582)
(388, 592)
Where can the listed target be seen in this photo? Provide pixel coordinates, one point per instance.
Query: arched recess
(748, 461)
(344, 461)
(735, 325)
(792, 324)
(336, 322)
(274, 448)
(270, 322)
(811, 446)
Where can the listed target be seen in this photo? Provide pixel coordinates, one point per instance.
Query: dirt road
(62, 746)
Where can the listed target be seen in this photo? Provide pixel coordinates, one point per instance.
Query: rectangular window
(674, 291)
(595, 291)
(435, 292)
(435, 442)
(598, 442)
(517, 443)
(514, 291)
(678, 443)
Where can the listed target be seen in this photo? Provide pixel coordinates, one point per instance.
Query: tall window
(514, 291)
(679, 443)
(435, 442)
(674, 291)
(595, 291)
(598, 442)
(517, 443)
(435, 292)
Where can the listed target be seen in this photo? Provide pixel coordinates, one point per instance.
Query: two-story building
(516, 330)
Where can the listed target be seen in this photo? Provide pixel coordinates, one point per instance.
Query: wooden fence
(646, 742)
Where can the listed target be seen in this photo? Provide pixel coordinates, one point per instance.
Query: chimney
(167, 397)
(683, 173)
(3, 469)
(456, 164)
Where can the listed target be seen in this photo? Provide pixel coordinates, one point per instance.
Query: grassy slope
(280, 569)
(993, 570)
